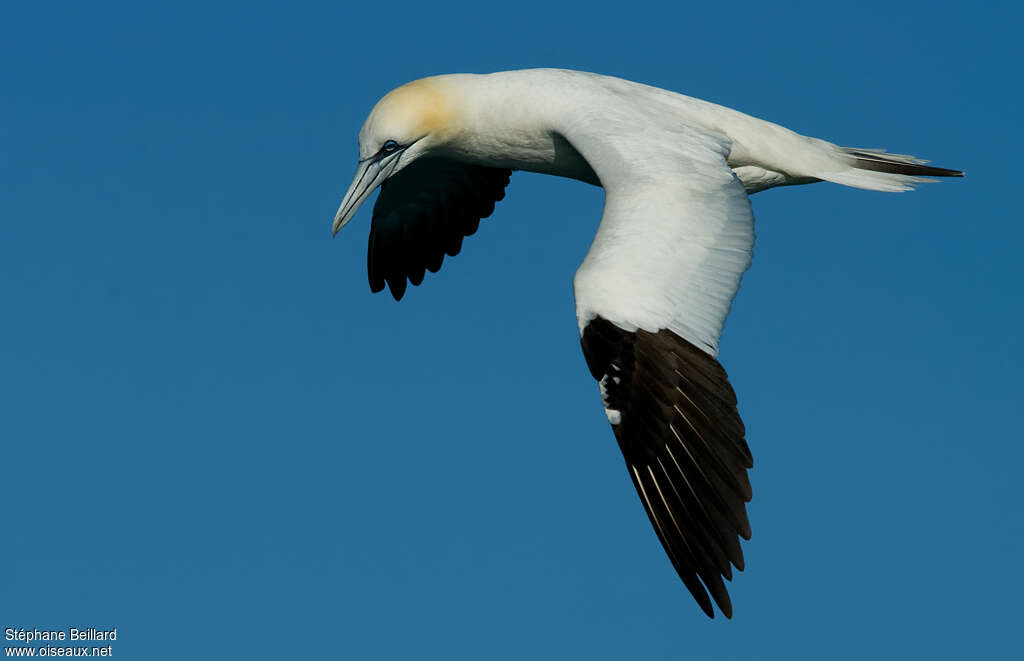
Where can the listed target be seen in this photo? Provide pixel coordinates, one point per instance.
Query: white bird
(655, 287)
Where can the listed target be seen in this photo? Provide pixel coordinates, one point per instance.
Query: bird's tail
(875, 169)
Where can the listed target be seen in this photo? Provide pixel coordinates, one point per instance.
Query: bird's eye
(389, 147)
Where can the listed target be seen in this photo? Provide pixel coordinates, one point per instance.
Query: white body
(677, 231)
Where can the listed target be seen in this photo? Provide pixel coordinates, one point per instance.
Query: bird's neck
(509, 121)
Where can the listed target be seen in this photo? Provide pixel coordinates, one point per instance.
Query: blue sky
(217, 440)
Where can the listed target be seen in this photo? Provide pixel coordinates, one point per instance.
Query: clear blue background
(216, 439)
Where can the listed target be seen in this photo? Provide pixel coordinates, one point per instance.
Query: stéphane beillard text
(33, 634)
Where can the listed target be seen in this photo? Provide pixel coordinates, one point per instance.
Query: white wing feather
(676, 236)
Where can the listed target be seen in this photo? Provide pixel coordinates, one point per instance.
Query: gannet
(653, 291)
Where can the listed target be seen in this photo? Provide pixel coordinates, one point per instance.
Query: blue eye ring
(389, 147)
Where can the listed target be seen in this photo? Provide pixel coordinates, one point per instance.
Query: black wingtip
(684, 445)
(705, 603)
(422, 214)
(397, 287)
(881, 162)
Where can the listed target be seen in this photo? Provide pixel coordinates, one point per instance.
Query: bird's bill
(369, 175)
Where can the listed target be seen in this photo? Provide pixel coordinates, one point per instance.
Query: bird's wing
(651, 298)
(422, 213)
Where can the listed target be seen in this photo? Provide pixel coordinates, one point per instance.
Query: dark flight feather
(422, 213)
(879, 161)
(683, 441)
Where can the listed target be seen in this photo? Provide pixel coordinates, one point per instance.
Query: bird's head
(403, 126)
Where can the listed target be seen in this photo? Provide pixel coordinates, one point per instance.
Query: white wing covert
(676, 236)
(652, 295)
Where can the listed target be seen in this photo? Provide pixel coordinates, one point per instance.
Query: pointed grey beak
(368, 176)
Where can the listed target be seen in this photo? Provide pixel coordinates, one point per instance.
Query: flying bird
(655, 287)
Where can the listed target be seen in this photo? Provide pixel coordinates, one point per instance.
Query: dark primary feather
(422, 213)
(683, 441)
(882, 162)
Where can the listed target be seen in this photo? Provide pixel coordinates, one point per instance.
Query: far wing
(422, 213)
(651, 298)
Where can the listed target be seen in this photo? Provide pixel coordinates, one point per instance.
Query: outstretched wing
(651, 298)
(422, 213)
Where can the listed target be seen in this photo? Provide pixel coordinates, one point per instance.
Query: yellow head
(403, 126)
(406, 115)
